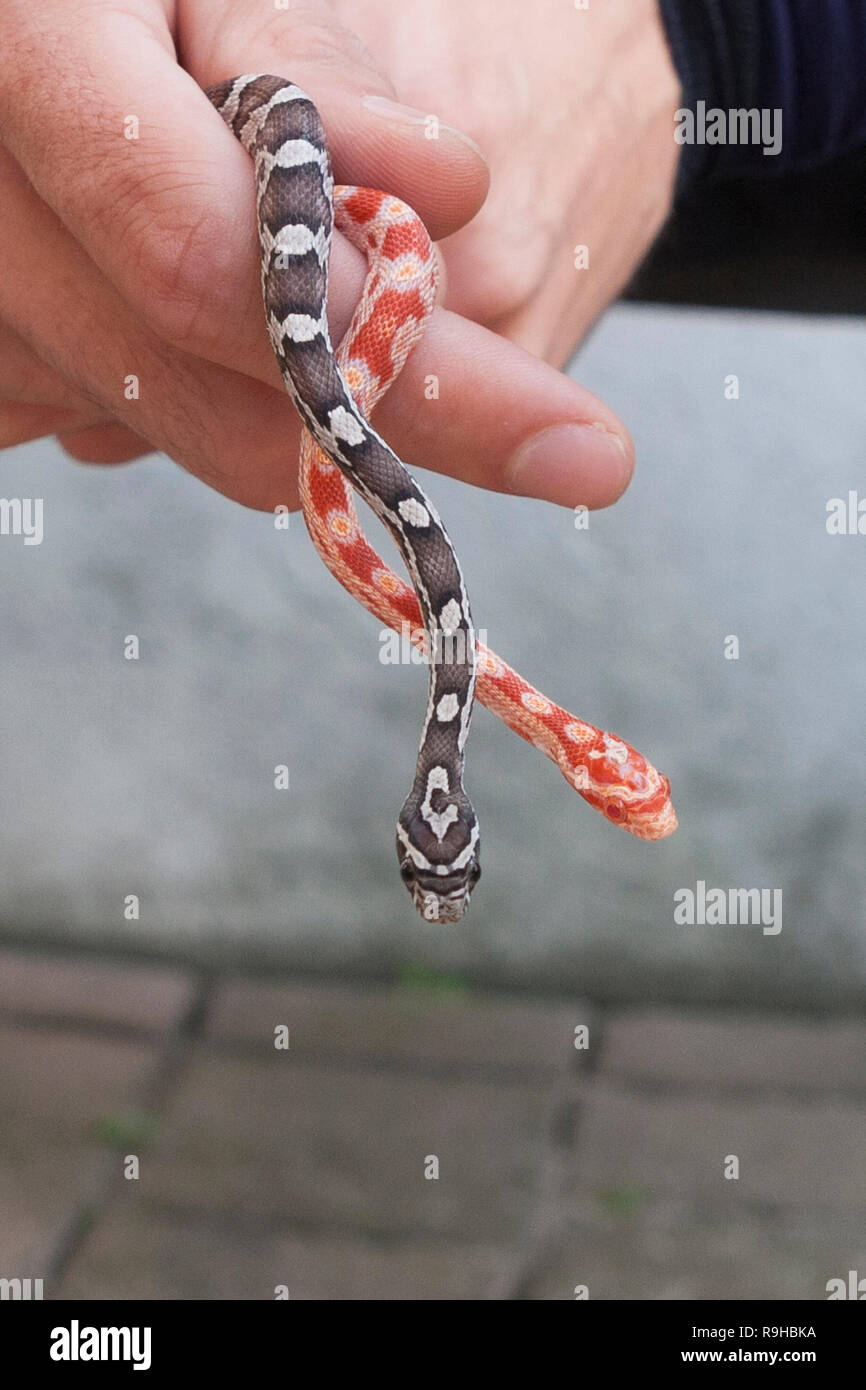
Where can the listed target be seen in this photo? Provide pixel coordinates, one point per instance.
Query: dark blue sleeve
(803, 58)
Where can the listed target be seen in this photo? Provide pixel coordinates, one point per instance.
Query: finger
(373, 138)
(20, 422)
(492, 423)
(167, 216)
(235, 433)
(502, 419)
(104, 444)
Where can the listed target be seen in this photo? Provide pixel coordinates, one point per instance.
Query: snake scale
(298, 205)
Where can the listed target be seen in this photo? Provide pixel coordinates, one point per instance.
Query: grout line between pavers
(451, 1069)
(81, 1025)
(562, 1140)
(153, 1094)
(447, 1069)
(261, 962)
(338, 1228)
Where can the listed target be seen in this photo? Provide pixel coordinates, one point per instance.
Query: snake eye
(407, 871)
(474, 872)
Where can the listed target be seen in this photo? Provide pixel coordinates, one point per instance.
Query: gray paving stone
(728, 1050)
(691, 1260)
(401, 1024)
(791, 1153)
(94, 990)
(38, 1188)
(139, 1254)
(54, 1088)
(301, 1144)
(65, 1082)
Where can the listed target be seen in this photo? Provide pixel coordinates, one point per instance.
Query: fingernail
(409, 115)
(571, 464)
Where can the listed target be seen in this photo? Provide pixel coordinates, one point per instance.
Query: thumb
(374, 140)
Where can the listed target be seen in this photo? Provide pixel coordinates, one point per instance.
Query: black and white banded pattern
(437, 830)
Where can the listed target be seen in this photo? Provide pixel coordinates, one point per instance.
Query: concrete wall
(155, 777)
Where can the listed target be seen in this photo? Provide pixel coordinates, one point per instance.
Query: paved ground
(304, 1166)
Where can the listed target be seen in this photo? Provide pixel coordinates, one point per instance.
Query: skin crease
(123, 257)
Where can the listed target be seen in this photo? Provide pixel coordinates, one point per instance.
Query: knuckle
(504, 274)
(316, 39)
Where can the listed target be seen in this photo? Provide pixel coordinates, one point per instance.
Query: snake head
(439, 866)
(629, 791)
(440, 897)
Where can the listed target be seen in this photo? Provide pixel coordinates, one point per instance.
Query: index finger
(123, 145)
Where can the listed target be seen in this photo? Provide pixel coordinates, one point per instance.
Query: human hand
(137, 257)
(574, 109)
